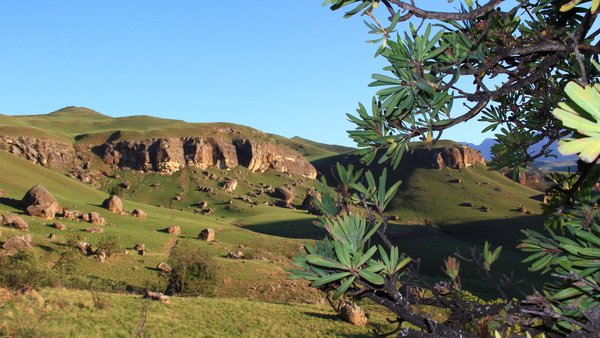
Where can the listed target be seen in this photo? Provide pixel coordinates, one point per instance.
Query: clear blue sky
(292, 68)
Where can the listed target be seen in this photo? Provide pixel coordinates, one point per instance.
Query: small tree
(521, 62)
(193, 271)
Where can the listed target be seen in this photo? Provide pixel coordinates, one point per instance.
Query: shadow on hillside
(289, 229)
(11, 202)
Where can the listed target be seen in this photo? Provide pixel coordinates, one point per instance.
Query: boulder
(94, 230)
(139, 247)
(203, 205)
(16, 243)
(285, 194)
(14, 221)
(85, 248)
(40, 203)
(354, 314)
(157, 296)
(72, 214)
(59, 226)
(139, 213)
(3, 193)
(113, 204)
(174, 230)
(163, 267)
(96, 219)
(235, 255)
(309, 205)
(230, 185)
(207, 235)
(208, 211)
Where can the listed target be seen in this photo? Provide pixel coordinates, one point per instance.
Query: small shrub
(109, 244)
(73, 238)
(25, 267)
(193, 271)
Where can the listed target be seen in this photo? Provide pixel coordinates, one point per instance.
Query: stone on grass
(354, 314)
(235, 255)
(207, 235)
(14, 221)
(40, 203)
(16, 243)
(163, 267)
(59, 226)
(139, 213)
(174, 230)
(113, 204)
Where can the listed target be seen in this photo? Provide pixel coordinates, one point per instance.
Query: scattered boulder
(456, 180)
(208, 211)
(522, 210)
(486, 209)
(94, 230)
(52, 236)
(72, 214)
(39, 202)
(259, 258)
(14, 221)
(164, 267)
(101, 256)
(3, 193)
(16, 243)
(139, 247)
(139, 213)
(207, 235)
(96, 219)
(174, 230)
(157, 296)
(354, 314)
(246, 199)
(59, 226)
(85, 248)
(126, 185)
(113, 204)
(230, 185)
(203, 205)
(235, 255)
(309, 203)
(468, 204)
(285, 194)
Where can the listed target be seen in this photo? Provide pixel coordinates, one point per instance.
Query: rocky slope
(164, 155)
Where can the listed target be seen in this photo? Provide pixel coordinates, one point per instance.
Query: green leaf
(330, 278)
(370, 277)
(324, 261)
(340, 291)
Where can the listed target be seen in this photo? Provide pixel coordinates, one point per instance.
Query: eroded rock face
(260, 156)
(168, 155)
(48, 153)
(457, 157)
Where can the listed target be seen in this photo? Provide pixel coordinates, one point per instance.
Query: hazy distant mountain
(558, 163)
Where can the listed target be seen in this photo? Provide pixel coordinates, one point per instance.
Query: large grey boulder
(39, 202)
(113, 204)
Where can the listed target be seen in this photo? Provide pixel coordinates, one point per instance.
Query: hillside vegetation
(254, 291)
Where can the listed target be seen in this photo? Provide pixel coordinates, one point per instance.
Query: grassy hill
(254, 292)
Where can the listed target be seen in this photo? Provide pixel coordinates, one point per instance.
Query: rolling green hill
(433, 222)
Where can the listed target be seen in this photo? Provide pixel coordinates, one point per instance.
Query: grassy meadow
(252, 297)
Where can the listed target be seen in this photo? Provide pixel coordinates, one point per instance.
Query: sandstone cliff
(456, 157)
(168, 155)
(164, 155)
(48, 153)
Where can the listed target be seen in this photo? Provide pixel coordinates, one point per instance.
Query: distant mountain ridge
(558, 163)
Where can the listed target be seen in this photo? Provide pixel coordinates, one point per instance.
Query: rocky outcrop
(456, 157)
(168, 155)
(260, 156)
(48, 153)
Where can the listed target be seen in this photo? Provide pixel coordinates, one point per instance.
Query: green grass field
(252, 297)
